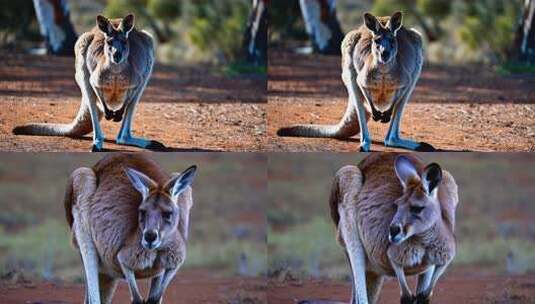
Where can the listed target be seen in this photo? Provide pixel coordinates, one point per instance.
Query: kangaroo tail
(347, 127)
(81, 125)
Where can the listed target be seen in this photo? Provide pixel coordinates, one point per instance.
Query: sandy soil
(455, 288)
(194, 287)
(453, 108)
(186, 108)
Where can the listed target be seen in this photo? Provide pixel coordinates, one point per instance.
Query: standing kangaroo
(114, 62)
(129, 220)
(394, 217)
(381, 63)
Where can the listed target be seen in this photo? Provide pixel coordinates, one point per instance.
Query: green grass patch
(43, 250)
(241, 68)
(308, 249)
(515, 68)
(494, 253)
(233, 257)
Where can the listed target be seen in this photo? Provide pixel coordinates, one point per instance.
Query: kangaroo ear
(104, 25)
(142, 183)
(395, 22)
(127, 24)
(179, 182)
(371, 23)
(405, 170)
(431, 177)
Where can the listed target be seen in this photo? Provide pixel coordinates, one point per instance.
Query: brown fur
(388, 86)
(112, 213)
(92, 71)
(371, 190)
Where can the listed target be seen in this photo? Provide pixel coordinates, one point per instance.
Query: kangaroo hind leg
(348, 181)
(83, 186)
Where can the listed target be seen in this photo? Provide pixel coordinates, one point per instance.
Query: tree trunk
(322, 25)
(523, 49)
(255, 38)
(55, 26)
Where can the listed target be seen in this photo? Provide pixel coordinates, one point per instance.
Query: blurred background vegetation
(455, 31)
(228, 227)
(186, 31)
(494, 229)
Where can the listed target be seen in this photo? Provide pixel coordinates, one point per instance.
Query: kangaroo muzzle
(151, 239)
(396, 234)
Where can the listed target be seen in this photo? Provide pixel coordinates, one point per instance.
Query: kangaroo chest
(115, 88)
(381, 87)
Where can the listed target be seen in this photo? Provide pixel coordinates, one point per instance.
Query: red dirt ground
(186, 108)
(453, 108)
(459, 287)
(197, 287)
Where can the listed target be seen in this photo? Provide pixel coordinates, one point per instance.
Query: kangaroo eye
(416, 209)
(142, 214)
(167, 215)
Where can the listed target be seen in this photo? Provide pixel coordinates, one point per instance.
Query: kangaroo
(394, 217)
(129, 220)
(381, 63)
(114, 62)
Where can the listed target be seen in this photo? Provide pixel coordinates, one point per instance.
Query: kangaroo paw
(425, 147)
(118, 115)
(408, 300)
(108, 114)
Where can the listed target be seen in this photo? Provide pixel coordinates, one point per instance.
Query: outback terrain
(457, 287)
(454, 108)
(187, 108)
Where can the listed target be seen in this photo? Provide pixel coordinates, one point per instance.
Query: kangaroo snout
(151, 239)
(396, 234)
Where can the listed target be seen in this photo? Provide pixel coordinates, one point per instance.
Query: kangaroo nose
(150, 236)
(117, 57)
(394, 230)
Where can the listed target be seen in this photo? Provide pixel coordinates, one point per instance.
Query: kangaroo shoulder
(83, 42)
(144, 40)
(350, 40)
(414, 37)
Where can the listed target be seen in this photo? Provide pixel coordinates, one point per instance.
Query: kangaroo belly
(115, 93)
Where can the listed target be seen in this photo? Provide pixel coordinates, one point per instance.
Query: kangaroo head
(159, 212)
(384, 43)
(418, 208)
(116, 46)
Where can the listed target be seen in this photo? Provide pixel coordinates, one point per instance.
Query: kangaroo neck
(384, 68)
(115, 68)
(437, 231)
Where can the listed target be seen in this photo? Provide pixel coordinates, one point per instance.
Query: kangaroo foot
(425, 147)
(152, 301)
(423, 299)
(408, 299)
(156, 145)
